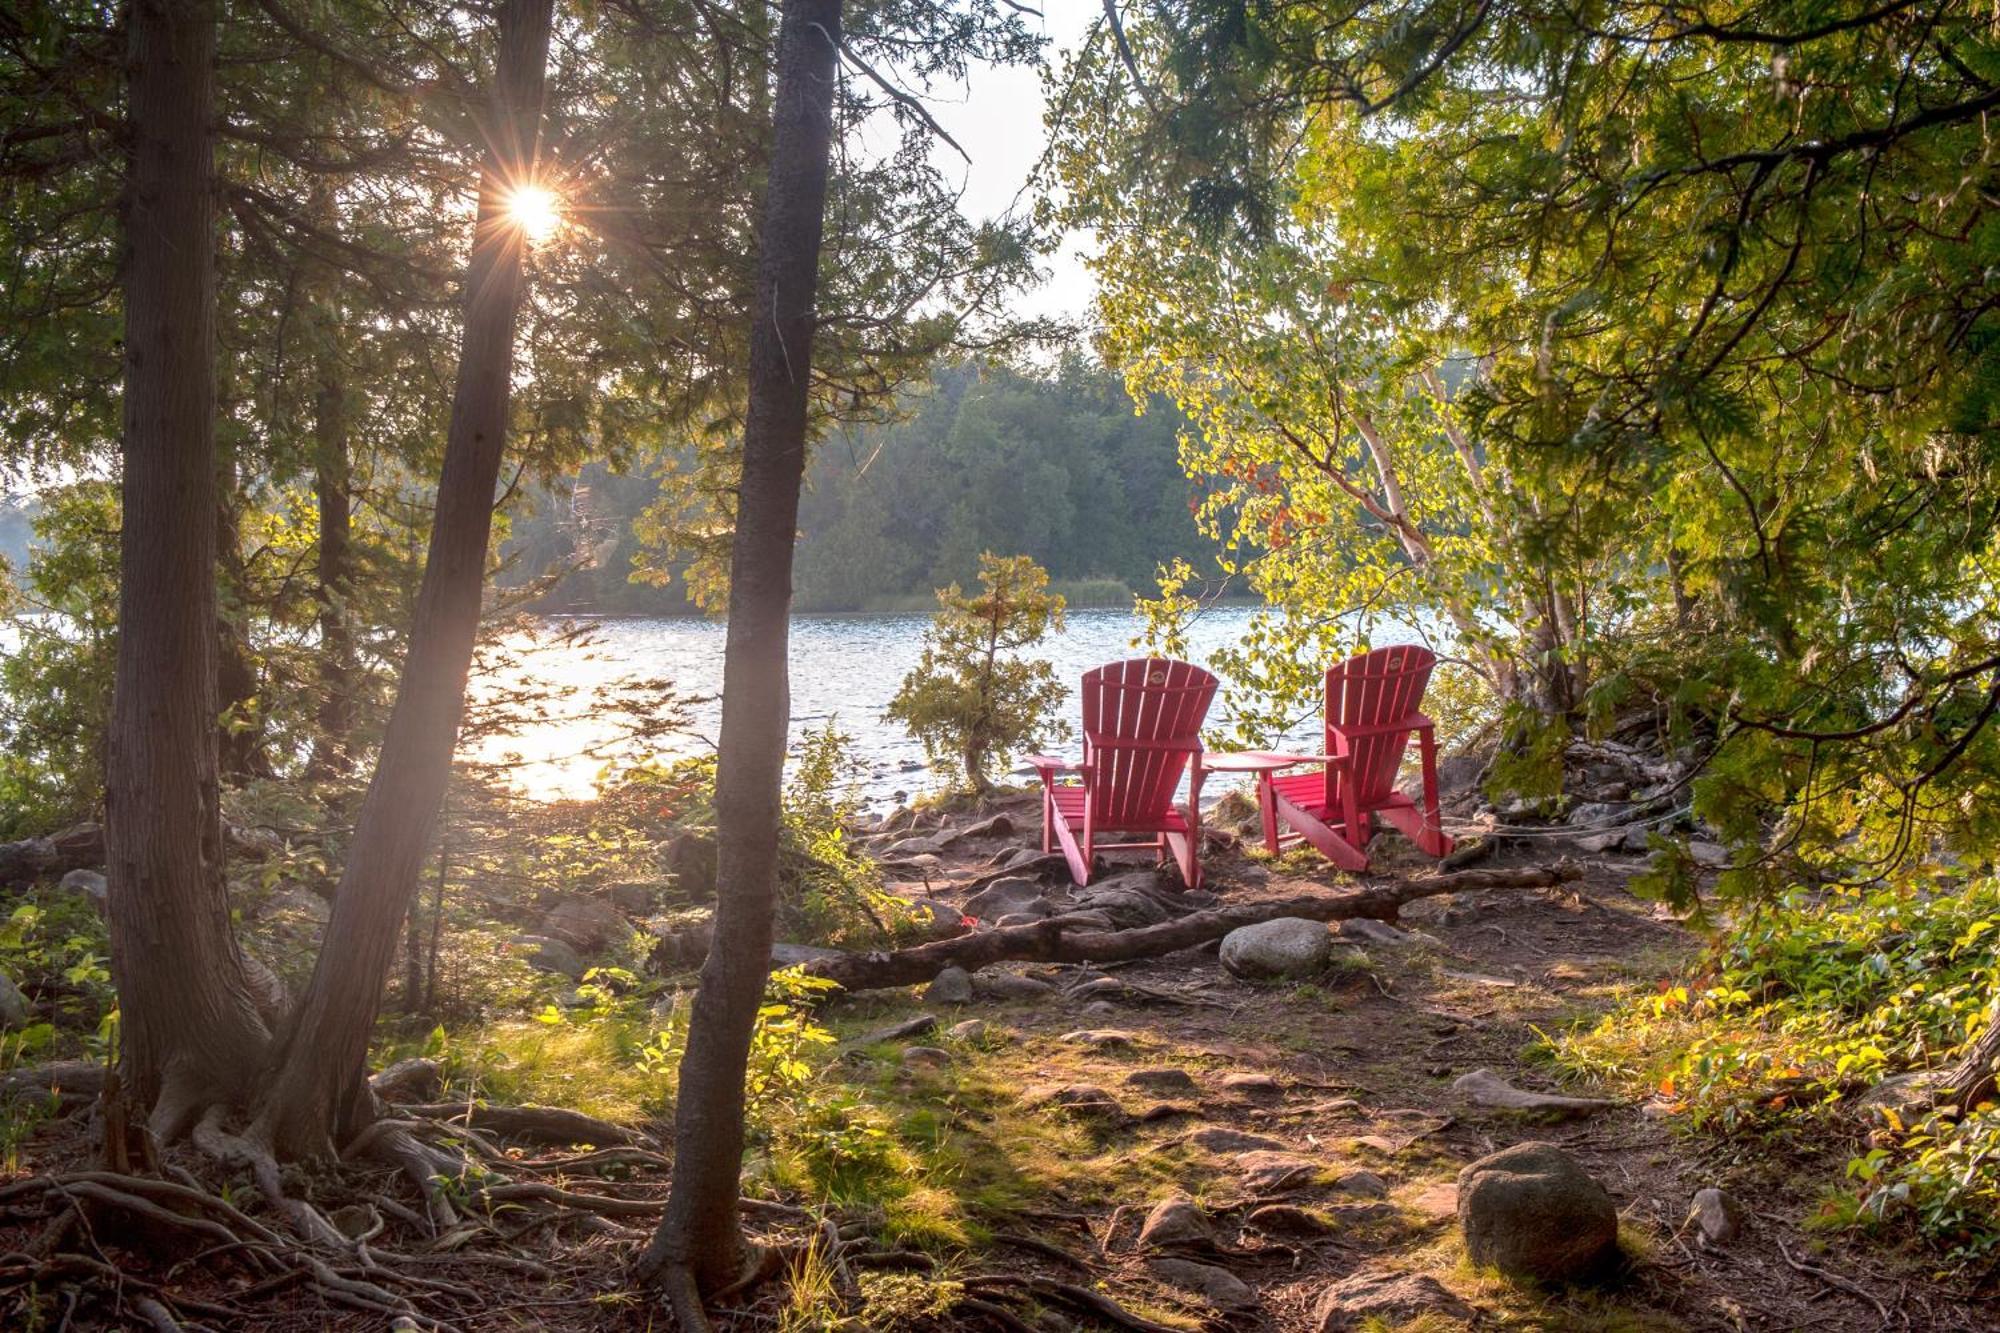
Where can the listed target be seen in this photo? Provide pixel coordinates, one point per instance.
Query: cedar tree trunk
(319, 1096)
(191, 1035)
(699, 1242)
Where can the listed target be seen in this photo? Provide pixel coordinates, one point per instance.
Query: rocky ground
(1312, 1144)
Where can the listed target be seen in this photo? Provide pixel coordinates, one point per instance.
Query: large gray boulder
(1287, 947)
(1532, 1211)
(690, 859)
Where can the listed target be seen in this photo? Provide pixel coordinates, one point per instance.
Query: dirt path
(1330, 1104)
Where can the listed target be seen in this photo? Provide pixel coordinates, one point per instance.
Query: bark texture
(700, 1238)
(320, 1095)
(191, 1032)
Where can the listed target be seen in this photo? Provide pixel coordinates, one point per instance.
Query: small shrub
(971, 700)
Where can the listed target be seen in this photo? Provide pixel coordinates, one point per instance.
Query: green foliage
(971, 699)
(54, 943)
(1817, 996)
(55, 675)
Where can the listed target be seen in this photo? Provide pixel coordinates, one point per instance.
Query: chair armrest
(1408, 722)
(1337, 760)
(1047, 764)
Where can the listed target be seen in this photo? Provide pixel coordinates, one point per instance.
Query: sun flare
(536, 210)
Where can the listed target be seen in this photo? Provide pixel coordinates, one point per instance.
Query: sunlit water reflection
(845, 669)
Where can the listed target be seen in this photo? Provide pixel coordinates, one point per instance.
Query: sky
(997, 118)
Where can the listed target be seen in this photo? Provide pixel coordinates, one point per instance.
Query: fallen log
(78, 848)
(1058, 941)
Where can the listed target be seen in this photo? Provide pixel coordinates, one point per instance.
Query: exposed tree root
(1057, 941)
(539, 1124)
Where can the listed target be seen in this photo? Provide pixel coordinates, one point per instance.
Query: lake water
(845, 669)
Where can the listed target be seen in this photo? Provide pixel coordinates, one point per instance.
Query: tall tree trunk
(320, 1093)
(191, 1033)
(333, 497)
(699, 1246)
(335, 722)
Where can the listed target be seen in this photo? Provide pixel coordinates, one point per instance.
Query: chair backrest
(1374, 689)
(1141, 724)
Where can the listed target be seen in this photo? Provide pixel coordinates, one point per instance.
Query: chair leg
(1434, 840)
(1333, 845)
(1048, 818)
(1267, 808)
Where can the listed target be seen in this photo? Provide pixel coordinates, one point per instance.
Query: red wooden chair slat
(1373, 708)
(1141, 731)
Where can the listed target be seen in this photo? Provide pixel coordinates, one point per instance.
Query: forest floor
(1352, 1075)
(1312, 1125)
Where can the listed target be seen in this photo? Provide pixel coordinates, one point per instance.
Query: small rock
(1127, 904)
(587, 924)
(909, 1027)
(1366, 1184)
(356, 1221)
(1710, 854)
(1105, 1037)
(90, 884)
(1176, 1222)
(925, 1057)
(936, 920)
(907, 848)
(14, 1008)
(1006, 897)
(1265, 1171)
(1086, 1101)
(1162, 1080)
(549, 955)
(1590, 813)
(1533, 1212)
(1385, 1299)
(1373, 931)
(791, 955)
(1718, 1215)
(292, 900)
(1100, 1009)
(1009, 986)
(971, 1031)
(690, 859)
(1220, 1138)
(635, 896)
(1168, 1111)
(1284, 1219)
(997, 826)
(1252, 1085)
(951, 986)
(1487, 1088)
(1218, 1286)
(1906, 1095)
(1287, 947)
(1596, 844)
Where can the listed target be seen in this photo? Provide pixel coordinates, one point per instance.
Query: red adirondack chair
(1141, 731)
(1371, 713)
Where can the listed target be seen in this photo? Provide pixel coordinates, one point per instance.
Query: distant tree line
(1054, 465)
